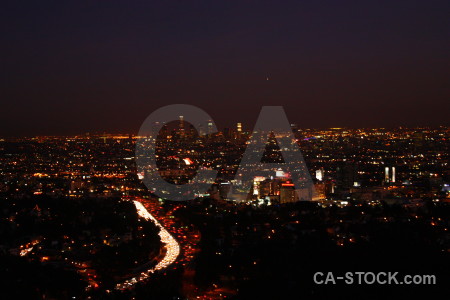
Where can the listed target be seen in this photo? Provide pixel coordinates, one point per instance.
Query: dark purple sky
(76, 66)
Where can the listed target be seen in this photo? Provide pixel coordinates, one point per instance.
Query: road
(171, 245)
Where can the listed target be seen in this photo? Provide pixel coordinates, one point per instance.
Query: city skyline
(224, 150)
(221, 130)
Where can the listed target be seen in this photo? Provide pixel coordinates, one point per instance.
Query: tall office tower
(320, 174)
(287, 193)
(164, 132)
(393, 174)
(190, 131)
(419, 139)
(389, 174)
(294, 128)
(346, 174)
(296, 131)
(182, 129)
(201, 130)
(238, 130)
(225, 188)
(182, 122)
(210, 127)
(320, 191)
(160, 130)
(386, 174)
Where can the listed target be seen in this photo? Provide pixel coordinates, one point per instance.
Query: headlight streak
(25, 249)
(171, 245)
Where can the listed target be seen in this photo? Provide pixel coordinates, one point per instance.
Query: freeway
(171, 245)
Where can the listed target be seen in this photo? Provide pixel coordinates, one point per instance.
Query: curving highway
(172, 249)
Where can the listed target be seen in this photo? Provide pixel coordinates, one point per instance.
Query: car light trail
(172, 249)
(25, 249)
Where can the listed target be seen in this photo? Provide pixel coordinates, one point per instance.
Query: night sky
(71, 67)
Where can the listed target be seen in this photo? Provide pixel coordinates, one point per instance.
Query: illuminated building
(210, 127)
(287, 192)
(393, 174)
(389, 174)
(320, 174)
(182, 129)
(386, 174)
